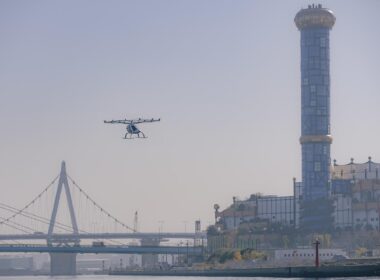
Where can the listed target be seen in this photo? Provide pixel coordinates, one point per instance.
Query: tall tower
(314, 24)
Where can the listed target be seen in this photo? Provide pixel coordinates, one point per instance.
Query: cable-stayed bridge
(40, 228)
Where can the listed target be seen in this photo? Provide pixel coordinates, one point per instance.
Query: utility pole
(136, 222)
(185, 224)
(316, 243)
(187, 253)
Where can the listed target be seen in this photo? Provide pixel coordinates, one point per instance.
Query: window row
(309, 255)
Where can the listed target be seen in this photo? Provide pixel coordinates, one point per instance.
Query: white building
(299, 255)
(356, 193)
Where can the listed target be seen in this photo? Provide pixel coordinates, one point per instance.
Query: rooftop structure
(314, 16)
(356, 171)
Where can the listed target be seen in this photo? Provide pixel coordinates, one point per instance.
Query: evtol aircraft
(132, 130)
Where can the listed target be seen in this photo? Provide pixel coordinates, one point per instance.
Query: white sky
(223, 76)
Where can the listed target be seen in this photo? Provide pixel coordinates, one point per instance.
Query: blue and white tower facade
(315, 24)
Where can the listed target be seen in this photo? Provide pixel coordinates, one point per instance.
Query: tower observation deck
(314, 24)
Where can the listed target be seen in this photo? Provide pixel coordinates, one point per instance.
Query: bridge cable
(34, 217)
(15, 227)
(81, 191)
(31, 230)
(99, 207)
(42, 220)
(30, 203)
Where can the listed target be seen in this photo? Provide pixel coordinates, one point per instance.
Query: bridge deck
(17, 248)
(137, 235)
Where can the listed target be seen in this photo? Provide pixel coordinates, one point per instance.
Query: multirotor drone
(132, 129)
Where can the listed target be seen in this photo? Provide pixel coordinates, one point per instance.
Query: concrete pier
(63, 264)
(149, 260)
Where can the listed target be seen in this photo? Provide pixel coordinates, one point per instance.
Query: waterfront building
(281, 210)
(330, 196)
(356, 193)
(240, 211)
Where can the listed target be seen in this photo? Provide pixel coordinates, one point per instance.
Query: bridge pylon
(63, 264)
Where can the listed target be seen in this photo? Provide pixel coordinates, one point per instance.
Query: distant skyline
(223, 76)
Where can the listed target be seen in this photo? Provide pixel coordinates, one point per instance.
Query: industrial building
(330, 196)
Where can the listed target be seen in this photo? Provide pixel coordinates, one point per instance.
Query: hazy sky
(223, 75)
